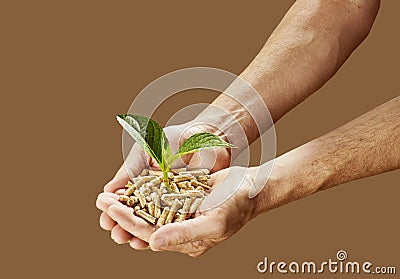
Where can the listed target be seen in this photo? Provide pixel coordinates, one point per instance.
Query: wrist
(259, 202)
(228, 121)
(239, 112)
(223, 126)
(198, 126)
(295, 175)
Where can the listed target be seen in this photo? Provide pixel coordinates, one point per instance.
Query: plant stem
(166, 179)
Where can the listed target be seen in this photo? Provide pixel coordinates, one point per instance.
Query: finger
(204, 159)
(191, 230)
(116, 183)
(218, 177)
(134, 163)
(119, 235)
(109, 195)
(120, 191)
(197, 254)
(103, 202)
(214, 159)
(106, 222)
(136, 226)
(186, 248)
(138, 244)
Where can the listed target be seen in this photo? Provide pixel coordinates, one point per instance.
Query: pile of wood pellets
(153, 201)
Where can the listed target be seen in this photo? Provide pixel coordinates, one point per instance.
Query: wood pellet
(154, 202)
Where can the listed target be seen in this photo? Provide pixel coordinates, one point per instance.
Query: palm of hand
(135, 230)
(229, 210)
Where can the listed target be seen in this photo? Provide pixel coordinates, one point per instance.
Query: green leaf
(200, 141)
(149, 135)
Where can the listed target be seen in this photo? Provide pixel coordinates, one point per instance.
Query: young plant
(151, 137)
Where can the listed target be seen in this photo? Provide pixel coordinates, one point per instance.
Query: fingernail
(159, 243)
(144, 248)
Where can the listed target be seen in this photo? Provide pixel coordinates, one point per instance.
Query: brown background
(67, 67)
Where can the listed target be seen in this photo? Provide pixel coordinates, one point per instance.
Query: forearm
(312, 41)
(366, 146)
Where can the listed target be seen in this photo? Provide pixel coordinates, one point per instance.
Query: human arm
(309, 45)
(314, 38)
(366, 146)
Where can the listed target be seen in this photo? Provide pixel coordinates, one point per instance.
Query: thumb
(134, 163)
(225, 183)
(201, 227)
(118, 182)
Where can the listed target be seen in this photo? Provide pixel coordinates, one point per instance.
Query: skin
(309, 45)
(350, 152)
(307, 48)
(138, 160)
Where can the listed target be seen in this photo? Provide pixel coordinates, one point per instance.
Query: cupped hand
(230, 209)
(137, 232)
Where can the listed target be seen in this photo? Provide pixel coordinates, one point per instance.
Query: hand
(138, 234)
(208, 228)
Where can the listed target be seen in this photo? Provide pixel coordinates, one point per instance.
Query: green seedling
(151, 137)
